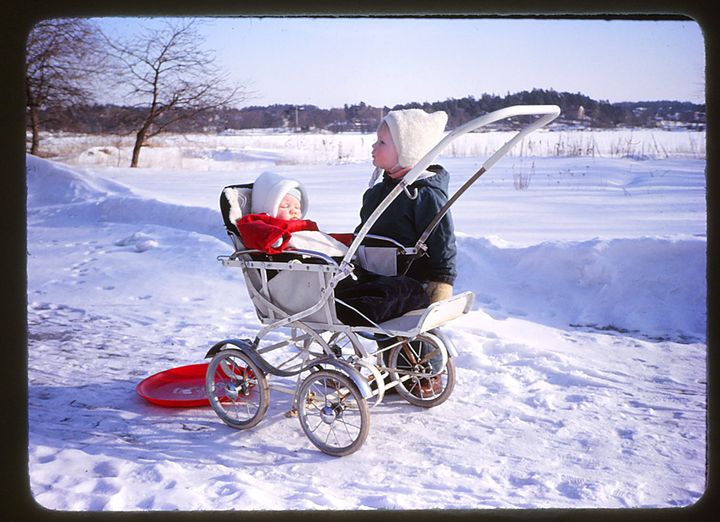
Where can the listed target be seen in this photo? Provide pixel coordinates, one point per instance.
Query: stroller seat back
(235, 202)
(279, 285)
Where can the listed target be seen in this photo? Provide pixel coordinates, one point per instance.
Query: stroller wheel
(237, 389)
(418, 364)
(333, 413)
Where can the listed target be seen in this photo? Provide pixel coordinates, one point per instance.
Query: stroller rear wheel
(418, 364)
(237, 389)
(333, 413)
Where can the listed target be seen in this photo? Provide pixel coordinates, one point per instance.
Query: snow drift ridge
(654, 287)
(59, 195)
(650, 286)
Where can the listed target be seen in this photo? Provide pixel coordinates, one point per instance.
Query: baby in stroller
(278, 205)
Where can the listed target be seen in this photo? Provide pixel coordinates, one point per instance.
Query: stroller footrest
(417, 321)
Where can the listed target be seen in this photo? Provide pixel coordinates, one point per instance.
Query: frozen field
(581, 368)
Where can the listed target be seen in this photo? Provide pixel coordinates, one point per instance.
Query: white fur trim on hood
(238, 201)
(269, 189)
(415, 132)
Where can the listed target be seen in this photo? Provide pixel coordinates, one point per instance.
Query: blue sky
(331, 62)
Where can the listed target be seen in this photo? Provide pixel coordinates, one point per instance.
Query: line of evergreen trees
(576, 109)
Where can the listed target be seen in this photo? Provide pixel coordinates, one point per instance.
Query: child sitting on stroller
(403, 138)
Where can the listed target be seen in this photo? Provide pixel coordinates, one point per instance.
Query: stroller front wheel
(237, 389)
(333, 413)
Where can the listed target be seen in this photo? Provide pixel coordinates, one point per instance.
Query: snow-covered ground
(581, 368)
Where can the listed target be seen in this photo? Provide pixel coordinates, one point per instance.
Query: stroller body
(335, 371)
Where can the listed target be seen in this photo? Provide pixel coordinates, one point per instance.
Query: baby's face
(384, 152)
(289, 208)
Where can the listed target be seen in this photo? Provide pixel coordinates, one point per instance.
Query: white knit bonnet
(269, 189)
(414, 132)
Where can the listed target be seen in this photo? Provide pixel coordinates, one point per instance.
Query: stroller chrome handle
(547, 113)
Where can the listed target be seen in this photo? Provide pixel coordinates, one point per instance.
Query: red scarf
(269, 234)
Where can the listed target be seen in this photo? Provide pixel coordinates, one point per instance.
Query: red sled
(182, 387)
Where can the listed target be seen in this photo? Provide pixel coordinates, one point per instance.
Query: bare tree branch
(171, 77)
(63, 60)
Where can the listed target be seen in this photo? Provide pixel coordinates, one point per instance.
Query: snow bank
(50, 183)
(60, 196)
(652, 286)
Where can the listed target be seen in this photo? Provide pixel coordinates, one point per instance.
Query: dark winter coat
(406, 219)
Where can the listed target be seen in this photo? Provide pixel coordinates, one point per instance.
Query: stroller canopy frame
(547, 114)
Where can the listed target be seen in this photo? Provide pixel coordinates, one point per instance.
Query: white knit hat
(415, 132)
(269, 189)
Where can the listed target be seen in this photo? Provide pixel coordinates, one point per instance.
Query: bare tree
(171, 78)
(63, 59)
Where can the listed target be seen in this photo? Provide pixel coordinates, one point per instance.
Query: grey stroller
(334, 371)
